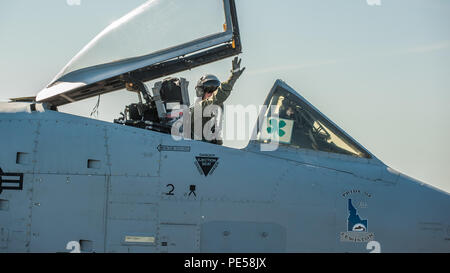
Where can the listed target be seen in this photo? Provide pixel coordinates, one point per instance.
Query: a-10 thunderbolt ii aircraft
(70, 183)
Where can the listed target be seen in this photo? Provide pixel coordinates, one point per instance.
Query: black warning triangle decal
(206, 164)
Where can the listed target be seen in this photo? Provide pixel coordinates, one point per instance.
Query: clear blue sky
(382, 73)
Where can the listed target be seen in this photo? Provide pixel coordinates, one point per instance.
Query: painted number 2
(374, 246)
(171, 191)
(74, 246)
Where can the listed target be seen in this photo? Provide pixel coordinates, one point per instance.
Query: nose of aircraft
(429, 210)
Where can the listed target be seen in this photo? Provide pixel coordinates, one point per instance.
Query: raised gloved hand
(236, 72)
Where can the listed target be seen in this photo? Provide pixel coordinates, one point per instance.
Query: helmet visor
(210, 86)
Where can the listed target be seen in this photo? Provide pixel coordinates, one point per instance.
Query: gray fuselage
(114, 188)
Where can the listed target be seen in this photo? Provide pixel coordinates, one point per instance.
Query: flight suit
(218, 98)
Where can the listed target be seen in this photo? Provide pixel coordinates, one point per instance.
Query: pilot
(211, 94)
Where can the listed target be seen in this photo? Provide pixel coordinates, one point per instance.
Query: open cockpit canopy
(159, 38)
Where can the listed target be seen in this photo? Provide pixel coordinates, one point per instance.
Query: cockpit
(140, 47)
(159, 109)
(153, 41)
(290, 121)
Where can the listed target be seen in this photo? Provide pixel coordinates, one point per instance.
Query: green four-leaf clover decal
(276, 126)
